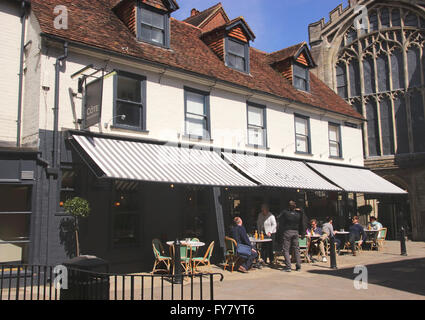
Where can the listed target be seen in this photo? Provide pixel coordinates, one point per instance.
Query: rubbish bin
(85, 281)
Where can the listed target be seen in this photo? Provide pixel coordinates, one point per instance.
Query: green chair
(160, 256)
(194, 249)
(380, 239)
(205, 260)
(303, 244)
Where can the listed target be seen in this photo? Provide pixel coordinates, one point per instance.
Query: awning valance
(274, 172)
(133, 160)
(356, 179)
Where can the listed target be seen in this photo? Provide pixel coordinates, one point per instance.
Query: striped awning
(132, 160)
(356, 179)
(274, 172)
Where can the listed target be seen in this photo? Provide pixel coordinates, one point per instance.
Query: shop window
(15, 216)
(67, 189)
(130, 101)
(125, 221)
(257, 130)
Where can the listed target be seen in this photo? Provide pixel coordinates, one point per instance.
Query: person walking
(292, 223)
(266, 223)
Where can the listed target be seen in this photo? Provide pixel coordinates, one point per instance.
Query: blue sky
(277, 24)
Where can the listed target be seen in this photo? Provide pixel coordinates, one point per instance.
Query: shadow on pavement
(407, 275)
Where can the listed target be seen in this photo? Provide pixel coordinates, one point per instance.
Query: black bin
(85, 279)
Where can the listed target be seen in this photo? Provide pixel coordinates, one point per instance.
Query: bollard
(177, 263)
(403, 242)
(333, 253)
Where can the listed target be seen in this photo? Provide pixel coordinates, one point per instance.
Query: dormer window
(153, 26)
(237, 54)
(301, 77)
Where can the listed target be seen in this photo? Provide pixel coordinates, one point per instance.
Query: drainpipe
(56, 147)
(21, 72)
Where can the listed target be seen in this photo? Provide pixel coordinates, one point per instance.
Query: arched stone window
(380, 71)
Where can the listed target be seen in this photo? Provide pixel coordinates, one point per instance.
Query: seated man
(241, 237)
(318, 242)
(357, 233)
(328, 229)
(374, 224)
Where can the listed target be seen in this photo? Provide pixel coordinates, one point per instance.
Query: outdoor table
(258, 243)
(195, 244)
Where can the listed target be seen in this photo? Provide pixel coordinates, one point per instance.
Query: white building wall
(165, 113)
(10, 39)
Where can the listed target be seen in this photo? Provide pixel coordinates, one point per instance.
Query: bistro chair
(231, 256)
(194, 249)
(380, 239)
(303, 245)
(160, 256)
(205, 260)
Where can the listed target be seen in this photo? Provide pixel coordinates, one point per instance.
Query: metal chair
(160, 256)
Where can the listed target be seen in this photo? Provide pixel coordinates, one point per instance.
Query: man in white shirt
(266, 223)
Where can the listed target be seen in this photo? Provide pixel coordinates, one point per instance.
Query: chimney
(193, 12)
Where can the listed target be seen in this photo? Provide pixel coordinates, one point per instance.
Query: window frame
(339, 143)
(309, 150)
(264, 128)
(246, 54)
(206, 114)
(307, 78)
(141, 6)
(142, 121)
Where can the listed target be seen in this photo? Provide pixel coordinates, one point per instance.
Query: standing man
(266, 223)
(291, 224)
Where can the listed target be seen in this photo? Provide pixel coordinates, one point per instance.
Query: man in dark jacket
(293, 222)
(241, 237)
(357, 233)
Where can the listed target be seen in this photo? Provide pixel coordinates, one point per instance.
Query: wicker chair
(231, 255)
(160, 256)
(205, 260)
(380, 239)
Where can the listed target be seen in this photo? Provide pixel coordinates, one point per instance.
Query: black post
(177, 263)
(333, 253)
(403, 241)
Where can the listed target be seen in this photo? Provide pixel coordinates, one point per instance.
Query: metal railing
(33, 282)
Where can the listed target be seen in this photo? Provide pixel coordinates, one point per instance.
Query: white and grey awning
(274, 172)
(356, 179)
(133, 160)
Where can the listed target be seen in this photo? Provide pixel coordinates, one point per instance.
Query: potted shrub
(78, 208)
(365, 210)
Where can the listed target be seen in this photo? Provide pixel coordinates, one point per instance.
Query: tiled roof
(200, 17)
(286, 53)
(94, 24)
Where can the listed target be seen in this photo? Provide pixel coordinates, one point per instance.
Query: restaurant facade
(170, 128)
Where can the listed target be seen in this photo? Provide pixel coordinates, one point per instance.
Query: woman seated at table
(318, 241)
(241, 237)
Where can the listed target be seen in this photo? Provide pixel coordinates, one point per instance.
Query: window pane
(300, 83)
(334, 149)
(333, 133)
(157, 20)
(132, 114)
(236, 62)
(14, 227)
(385, 18)
(196, 126)
(414, 70)
(372, 128)
(129, 89)
(302, 144)
(236, 48)
(255, 116)
(395, 18)
(195, 103)
(157, 36)
(300, 72)
(411, 20)
(373, 22)
(146, 17)
(301, 126)
(369, 75)
(386, 127)
(397, 69)
(15, 198)
(256, 136)
(401, 125)
(125, 228)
